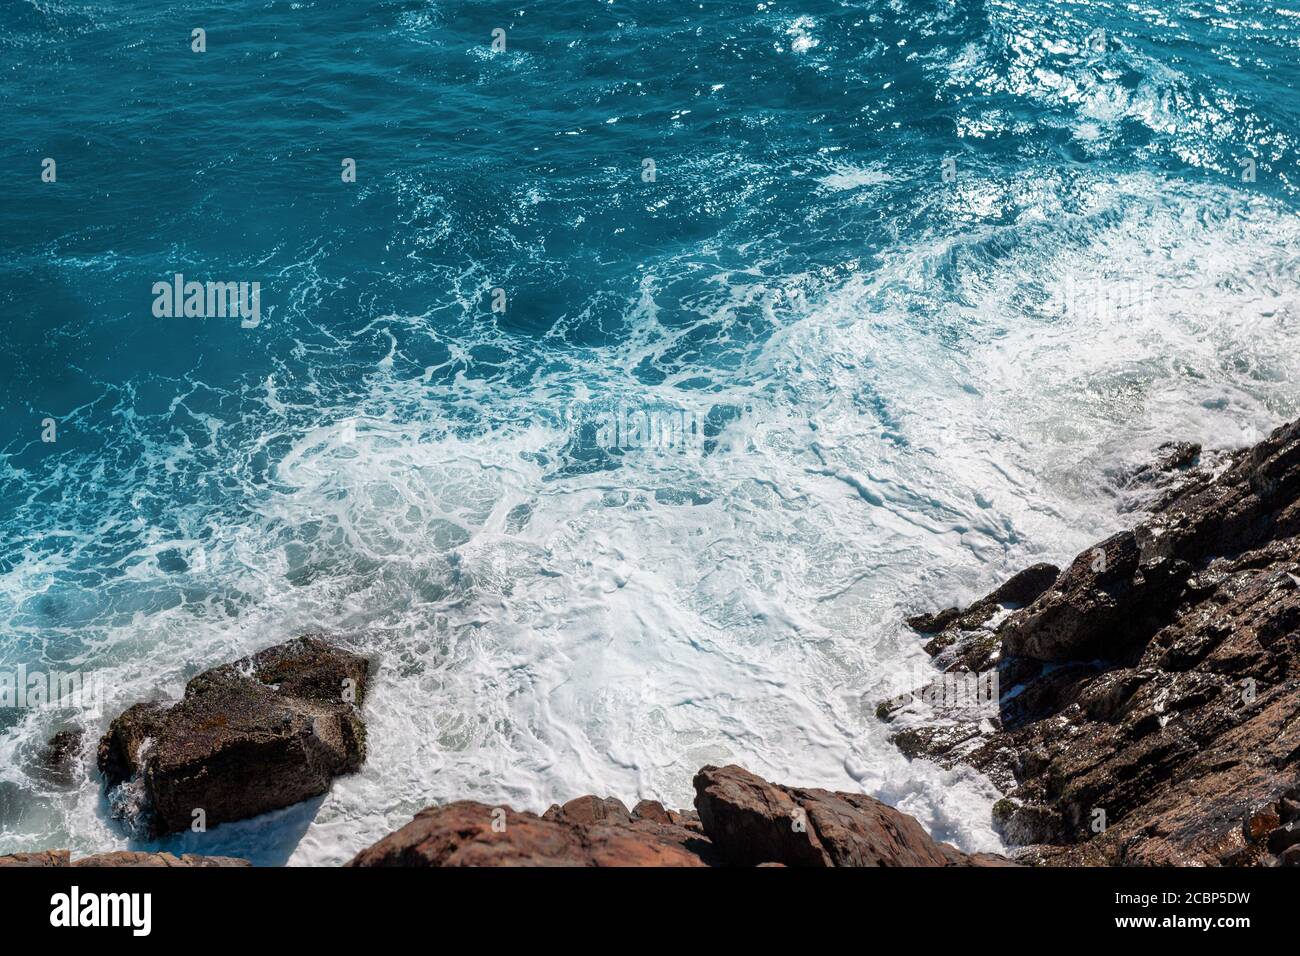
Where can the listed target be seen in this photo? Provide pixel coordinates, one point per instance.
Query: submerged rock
(1150, 697)
(57, 763)
(262, 733)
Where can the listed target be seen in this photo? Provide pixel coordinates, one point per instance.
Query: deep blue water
(897, 407)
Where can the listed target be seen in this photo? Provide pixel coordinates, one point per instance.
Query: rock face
(1150, 696)
(262, 733)
(752, 822)
(743, 820)
(119, 859)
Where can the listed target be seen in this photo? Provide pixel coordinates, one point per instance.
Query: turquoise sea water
(925, 278)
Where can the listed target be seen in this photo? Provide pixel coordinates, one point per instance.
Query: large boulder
(753, 822)
(256, 735)
(466, 833)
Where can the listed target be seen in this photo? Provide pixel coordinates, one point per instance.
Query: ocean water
(922, 278)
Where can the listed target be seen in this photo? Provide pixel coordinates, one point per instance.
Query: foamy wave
(938, 393)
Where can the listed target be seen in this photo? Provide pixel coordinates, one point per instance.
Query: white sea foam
(544, 628)
(912, 436)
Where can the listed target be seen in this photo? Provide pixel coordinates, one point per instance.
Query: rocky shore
(273, 729)
(1145, 710)
(739, 820)
(1149, 705)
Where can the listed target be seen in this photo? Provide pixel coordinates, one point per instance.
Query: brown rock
(466, 833)
(42, 858)
(1026, 586)
(646, 843)
(590, 810)
(120, 858)
(688, 819)
(127, 858)
(651, 810)
(751, 821)
(748, 822)
(1260, 824)
(249, 737)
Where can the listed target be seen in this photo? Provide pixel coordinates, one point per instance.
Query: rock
(129, 858)
(1260, 824)
(1290, 856)
(590, 810)
(934, 623)
(42, 858)
(1150, 697)
(743, 820)
(1171, 459)
(57, 762)
(1021, 589)
(1283, 838)
(1176, 455)
(651, 810)
(964, 643)
(1104, 603)
(1288, 810)
(752, 822)
(466, 833)
(262, 733)
(120, 858)
(686, 818)
(1026, 586)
